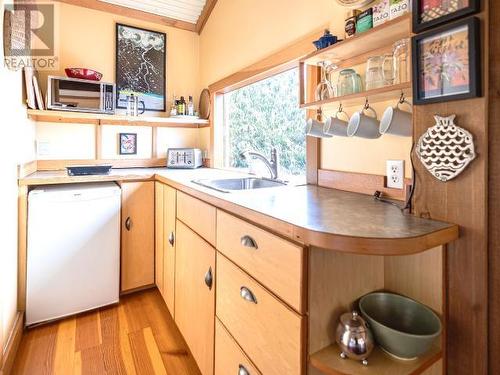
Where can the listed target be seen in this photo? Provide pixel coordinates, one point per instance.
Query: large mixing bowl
(401, 326)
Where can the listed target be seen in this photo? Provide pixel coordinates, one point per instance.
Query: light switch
(43, 148)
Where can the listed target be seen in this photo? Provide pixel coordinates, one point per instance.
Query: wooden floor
(138, 336)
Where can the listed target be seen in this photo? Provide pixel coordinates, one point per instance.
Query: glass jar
(349, 82)
(400, 55)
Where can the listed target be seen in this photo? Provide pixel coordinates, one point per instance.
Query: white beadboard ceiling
(183, 10)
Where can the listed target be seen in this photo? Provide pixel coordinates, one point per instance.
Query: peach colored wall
(242, 32)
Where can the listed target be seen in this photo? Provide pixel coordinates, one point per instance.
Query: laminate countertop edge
(373, 245)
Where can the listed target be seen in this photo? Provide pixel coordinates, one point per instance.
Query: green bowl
(403, 327)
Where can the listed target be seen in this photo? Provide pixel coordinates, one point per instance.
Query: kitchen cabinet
(168, 264)
(159, 236)
(138, 242)
(195, 295)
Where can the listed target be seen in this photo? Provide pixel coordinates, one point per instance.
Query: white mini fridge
(73, 262)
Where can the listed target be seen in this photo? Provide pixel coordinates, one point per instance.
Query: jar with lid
(350, 22)
(354, 337)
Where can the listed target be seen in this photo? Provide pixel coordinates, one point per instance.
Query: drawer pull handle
(171, 239)
(243, 371)
(209, 280)
(128, 223)
(247, 295)
(248, 241)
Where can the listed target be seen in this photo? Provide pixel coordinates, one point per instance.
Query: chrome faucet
(272, 164)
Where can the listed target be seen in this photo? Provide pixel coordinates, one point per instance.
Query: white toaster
(184, 158)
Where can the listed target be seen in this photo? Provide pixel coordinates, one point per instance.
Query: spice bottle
(350, 22)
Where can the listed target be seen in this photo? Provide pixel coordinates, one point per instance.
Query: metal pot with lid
(354, 337)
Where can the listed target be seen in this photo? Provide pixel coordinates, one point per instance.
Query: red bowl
(83, 73)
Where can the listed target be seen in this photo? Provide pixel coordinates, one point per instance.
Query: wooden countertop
(308, 214)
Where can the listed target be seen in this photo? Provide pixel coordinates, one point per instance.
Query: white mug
(336, 126)
(364, 126)
(396, 121)
(315, 128)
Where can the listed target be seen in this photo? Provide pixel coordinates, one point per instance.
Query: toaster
(184, 158)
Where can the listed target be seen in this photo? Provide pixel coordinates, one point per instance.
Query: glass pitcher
(379, 71)
(401, 61)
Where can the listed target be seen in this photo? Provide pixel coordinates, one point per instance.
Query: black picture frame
(121, 139)
(474, 60)
(418, 26)
(162, 72)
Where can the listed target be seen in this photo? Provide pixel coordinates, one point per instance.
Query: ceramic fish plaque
(445, 149)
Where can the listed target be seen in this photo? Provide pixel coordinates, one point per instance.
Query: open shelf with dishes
(103, 119)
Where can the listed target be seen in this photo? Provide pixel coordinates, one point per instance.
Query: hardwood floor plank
(77, 365)
(140, 354)
(154, 352)
(93, 361)
(136, 317)
(88, 333)
(110, 347)
(65, 347)
(125, 349)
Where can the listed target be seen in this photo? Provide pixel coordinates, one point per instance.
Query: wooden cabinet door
(137, 258)
(159, 236)
(195, 295)
(169, 242)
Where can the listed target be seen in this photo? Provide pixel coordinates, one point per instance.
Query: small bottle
(190, 106)
(181, 104)
(350, 23)
(173, 108)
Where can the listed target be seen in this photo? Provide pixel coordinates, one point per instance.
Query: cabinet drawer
(229, 359)
(276, 263)
(197, 215)
(269, 332)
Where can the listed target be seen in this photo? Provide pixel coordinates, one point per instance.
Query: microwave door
(84, 96)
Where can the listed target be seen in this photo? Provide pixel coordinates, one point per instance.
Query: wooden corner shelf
(102, 119)
(328, 361)
(382, 94)
(373, 39)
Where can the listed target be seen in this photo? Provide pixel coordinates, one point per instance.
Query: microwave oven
(80, 95)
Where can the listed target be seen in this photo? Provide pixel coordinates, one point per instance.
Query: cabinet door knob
(243, 371)
(248, 241)
(247, 295)
(128, 223)
(209, 278)
(171, 239)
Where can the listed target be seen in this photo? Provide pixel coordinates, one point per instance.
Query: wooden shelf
(101, 119)
(328, 361)
(381, 94)
(360, 44)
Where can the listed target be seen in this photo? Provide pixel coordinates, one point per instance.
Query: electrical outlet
(43, 148)
(395, 171)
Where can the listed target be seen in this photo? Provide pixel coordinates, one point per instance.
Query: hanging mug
(364, 126)
(315, 128)
(396, 121)
(335, 125)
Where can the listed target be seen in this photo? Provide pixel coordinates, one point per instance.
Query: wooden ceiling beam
(133, 13)
(205, 13)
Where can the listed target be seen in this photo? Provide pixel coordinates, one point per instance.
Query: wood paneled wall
(463, 201)
(494, 189)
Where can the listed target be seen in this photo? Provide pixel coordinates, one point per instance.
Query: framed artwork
(128, 143)
(141, 66)
(430, 13)
(446, 63)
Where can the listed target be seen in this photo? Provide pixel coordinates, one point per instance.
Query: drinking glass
(325, 89)
(400, 54)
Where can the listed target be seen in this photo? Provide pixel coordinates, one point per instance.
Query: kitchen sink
(245, 183)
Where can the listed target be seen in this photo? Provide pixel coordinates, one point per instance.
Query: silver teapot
(354, 337)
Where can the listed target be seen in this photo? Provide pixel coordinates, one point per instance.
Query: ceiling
(183, 10)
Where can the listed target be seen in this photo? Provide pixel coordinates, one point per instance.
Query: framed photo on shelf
(446, 63)
(430, 13)
(141, 66)
(128, 143)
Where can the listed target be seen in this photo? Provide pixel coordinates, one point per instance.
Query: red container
(83, 73)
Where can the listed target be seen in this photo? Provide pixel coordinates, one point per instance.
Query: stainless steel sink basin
(245, 183)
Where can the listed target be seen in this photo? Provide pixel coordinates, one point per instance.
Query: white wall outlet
(42, 148)
(395, 171)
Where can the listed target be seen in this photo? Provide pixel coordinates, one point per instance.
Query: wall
(240, 33)
(17, 148)
(86, 38)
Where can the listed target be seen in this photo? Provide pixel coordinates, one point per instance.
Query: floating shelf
(101, 119)
(381, 94)
(328, 361)
(360, 44)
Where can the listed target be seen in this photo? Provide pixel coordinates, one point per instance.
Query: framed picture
(430, 13)
(446, 63)
(141, 66)
(128, 143)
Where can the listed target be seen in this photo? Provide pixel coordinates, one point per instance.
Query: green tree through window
(263, 115)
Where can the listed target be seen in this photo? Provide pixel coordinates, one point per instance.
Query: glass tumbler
(401, 57)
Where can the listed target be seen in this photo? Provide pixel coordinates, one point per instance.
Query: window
(264, 115)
